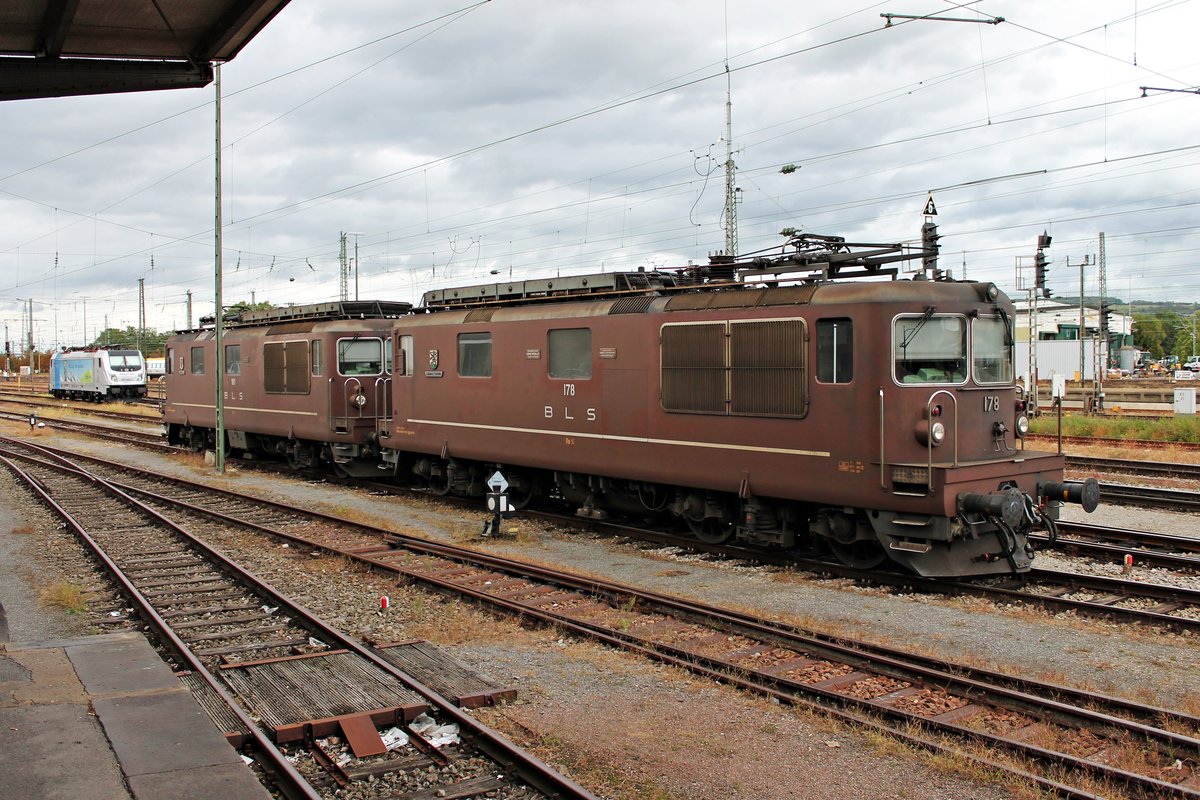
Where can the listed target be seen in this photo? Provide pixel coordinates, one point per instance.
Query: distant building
(1058, 349)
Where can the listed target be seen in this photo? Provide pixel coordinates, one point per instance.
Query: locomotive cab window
(991, 350)
(475, 355)
(835, 350)
(197, 360)
(124, 362)
(930, 348)
(360, 356)
(570, 353)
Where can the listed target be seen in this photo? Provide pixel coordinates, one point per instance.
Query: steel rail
(1164, 541)
(288, 779)
(721, 670)
(141, 438)
(530, 769)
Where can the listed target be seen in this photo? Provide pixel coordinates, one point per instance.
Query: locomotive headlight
(1022, 425)
(937, 433)
(930, 432)
(360, 400)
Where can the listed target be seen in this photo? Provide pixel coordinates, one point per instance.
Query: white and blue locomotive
(98, 374)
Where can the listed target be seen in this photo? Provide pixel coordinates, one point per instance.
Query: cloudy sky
(456, 141)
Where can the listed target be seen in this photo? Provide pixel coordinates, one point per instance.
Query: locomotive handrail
(329, 400)
(882, 461)
(929, 439)
(382, 399)
(357, 407)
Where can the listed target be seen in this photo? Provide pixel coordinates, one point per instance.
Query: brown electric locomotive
(306, 383)
(771, 401)
(878, 419)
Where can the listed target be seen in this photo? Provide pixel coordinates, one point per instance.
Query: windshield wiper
(912, 332)
(1008, 331)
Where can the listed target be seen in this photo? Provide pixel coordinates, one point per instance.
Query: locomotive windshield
(931, 348)
(360, 356)
(991, 350)
(124, 362)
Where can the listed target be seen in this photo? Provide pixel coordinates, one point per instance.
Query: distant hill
(1120, 306)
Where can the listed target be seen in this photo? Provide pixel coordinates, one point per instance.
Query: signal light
(929, 246)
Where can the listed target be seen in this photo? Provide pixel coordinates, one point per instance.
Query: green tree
(1149, 334)
(150, 340)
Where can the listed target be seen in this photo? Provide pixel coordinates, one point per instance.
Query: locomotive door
(402, 384)
(359, 390)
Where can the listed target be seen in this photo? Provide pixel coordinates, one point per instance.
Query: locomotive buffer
(497, 503)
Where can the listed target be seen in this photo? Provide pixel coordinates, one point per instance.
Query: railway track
(1133, 466)
(1050, 441)
(270, 671)
(930, 703)
(88, 409)
(147, 439)
(1111, 598)
(1150, 497)
(1114, 544)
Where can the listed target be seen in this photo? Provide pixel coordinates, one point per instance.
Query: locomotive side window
(404, 364)
(835, 350)
(991, 350)
(233, 359)
(285, 367)
(387, 355)
(570, 353)
(475, 355)
(930, 348)
(360, 356)
(318, 364)
(197, 360)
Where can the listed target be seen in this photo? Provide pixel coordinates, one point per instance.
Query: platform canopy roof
(54, 48)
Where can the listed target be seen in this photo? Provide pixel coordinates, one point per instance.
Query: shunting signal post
(497, 503)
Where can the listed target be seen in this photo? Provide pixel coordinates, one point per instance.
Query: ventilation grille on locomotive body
(753, 368)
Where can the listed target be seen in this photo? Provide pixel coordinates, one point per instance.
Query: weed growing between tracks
(67, 596)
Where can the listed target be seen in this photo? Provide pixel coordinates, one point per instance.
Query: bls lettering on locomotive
(550, 412)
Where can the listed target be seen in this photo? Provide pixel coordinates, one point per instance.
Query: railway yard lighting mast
(731, 189)
(218, 355)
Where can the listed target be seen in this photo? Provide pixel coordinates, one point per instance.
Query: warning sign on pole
(930, 208)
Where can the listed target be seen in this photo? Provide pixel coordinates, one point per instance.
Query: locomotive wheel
(518, 498)
(301, 458)
(860, 554)
(439, 484)
(711, 530)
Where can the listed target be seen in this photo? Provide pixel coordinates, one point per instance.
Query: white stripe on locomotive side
(606, 437)
(243, 408)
